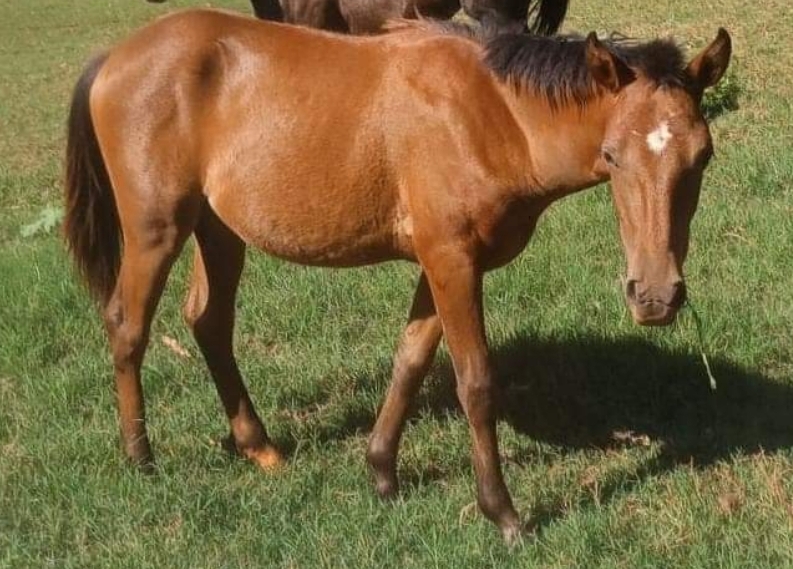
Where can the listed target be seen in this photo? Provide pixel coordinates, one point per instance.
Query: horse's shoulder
(446, 68)
(435, 56)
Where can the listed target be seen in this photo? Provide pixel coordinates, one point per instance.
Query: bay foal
(338, 152)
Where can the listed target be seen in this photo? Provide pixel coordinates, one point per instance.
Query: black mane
(555, 67)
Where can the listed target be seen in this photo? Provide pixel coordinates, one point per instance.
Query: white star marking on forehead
(659, 138)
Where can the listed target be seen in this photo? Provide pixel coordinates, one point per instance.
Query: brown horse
(338, 152)
(368, 16)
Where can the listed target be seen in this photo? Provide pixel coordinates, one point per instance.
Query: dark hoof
(144, 464)
(229, 446)
(140, 456)
(387, 489)
(149, 468)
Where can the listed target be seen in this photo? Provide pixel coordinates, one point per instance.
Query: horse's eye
(609, 158)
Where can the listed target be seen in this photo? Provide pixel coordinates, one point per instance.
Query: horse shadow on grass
(596, 393)
(587, 393)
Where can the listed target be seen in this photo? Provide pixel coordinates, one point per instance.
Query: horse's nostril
(630, 289)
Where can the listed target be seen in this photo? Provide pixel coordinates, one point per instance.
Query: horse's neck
(564, 143)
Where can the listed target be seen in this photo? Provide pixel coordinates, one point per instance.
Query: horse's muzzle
(654, 305)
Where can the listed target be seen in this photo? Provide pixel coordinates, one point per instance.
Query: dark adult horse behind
(333, 151)
(368, 16)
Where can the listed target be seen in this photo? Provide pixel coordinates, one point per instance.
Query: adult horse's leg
(145, 264)
(268, 10)
(218, 262)
(412, 360)
(456, 286)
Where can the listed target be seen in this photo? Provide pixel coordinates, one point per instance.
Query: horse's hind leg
(413, 358)
(209, 310)
(145, 264)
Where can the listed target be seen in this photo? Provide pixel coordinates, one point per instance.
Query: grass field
(613, 442)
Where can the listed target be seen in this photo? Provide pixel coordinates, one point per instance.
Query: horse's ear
(606, 68)
(707, 68)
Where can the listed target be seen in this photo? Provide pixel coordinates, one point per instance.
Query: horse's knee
(475, 388)
(410, 361)
(128, 343)
(415, 351)
(113, 316)
(127, 338)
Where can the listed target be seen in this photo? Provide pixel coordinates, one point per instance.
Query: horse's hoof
(382, 465)
(140, 456)
(385, 481)
(149, 467)
(387, 489)
(267, 457)
(513, 535)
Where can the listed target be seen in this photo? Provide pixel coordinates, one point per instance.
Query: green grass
(613, 443)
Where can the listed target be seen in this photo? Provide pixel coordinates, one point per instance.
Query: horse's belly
(324, 229)
(321, 244)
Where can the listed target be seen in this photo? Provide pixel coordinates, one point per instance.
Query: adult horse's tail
(548, 16)
(91, 224)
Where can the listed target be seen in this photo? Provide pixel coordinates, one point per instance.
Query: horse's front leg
(456, 285)
(413, 358)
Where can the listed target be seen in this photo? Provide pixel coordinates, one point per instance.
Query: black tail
(548, 16)
(91, 226)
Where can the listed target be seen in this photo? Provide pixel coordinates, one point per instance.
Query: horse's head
(655, 149)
